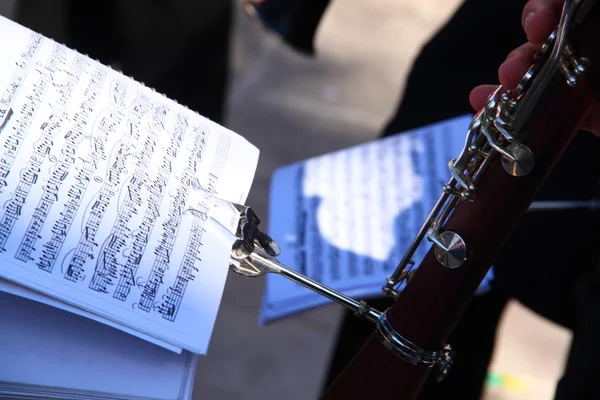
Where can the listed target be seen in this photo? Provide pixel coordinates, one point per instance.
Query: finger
(526, 51)
(479, 95)
(539, 19)
(516, 65)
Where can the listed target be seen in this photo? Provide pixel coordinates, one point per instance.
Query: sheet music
(346, 218)
(61, 355)
(95, 173)
(21, 291)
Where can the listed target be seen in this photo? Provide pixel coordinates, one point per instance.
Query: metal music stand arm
(253, 254)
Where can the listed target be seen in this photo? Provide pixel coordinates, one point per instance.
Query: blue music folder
(346, 218)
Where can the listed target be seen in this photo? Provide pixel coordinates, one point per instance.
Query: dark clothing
(580, 377)
(543, 263)
(178, 47)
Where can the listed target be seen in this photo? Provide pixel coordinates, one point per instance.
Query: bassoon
(511, 146)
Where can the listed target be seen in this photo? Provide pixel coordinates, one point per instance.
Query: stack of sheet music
(49, 353)
(114, 236)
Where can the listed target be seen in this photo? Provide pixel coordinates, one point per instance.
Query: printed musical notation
(95, 173)
(164, 249)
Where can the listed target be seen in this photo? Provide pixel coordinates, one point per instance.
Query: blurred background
(291, 107)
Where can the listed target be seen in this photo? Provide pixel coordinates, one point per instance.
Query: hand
(539, 19)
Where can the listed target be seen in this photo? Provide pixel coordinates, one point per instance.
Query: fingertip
(539, 25)
(479, 95)
(508, 72)
(512, 71)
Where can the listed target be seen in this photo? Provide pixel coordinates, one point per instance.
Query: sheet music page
(21, 291)
(346, 218)
(95, 173)
(57, 354)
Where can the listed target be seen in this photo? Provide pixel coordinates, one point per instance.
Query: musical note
(170, 227)
(16, 82)
(13, 143)
(61, 168)
(170, 305)
(157, 191)
(106, 269)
